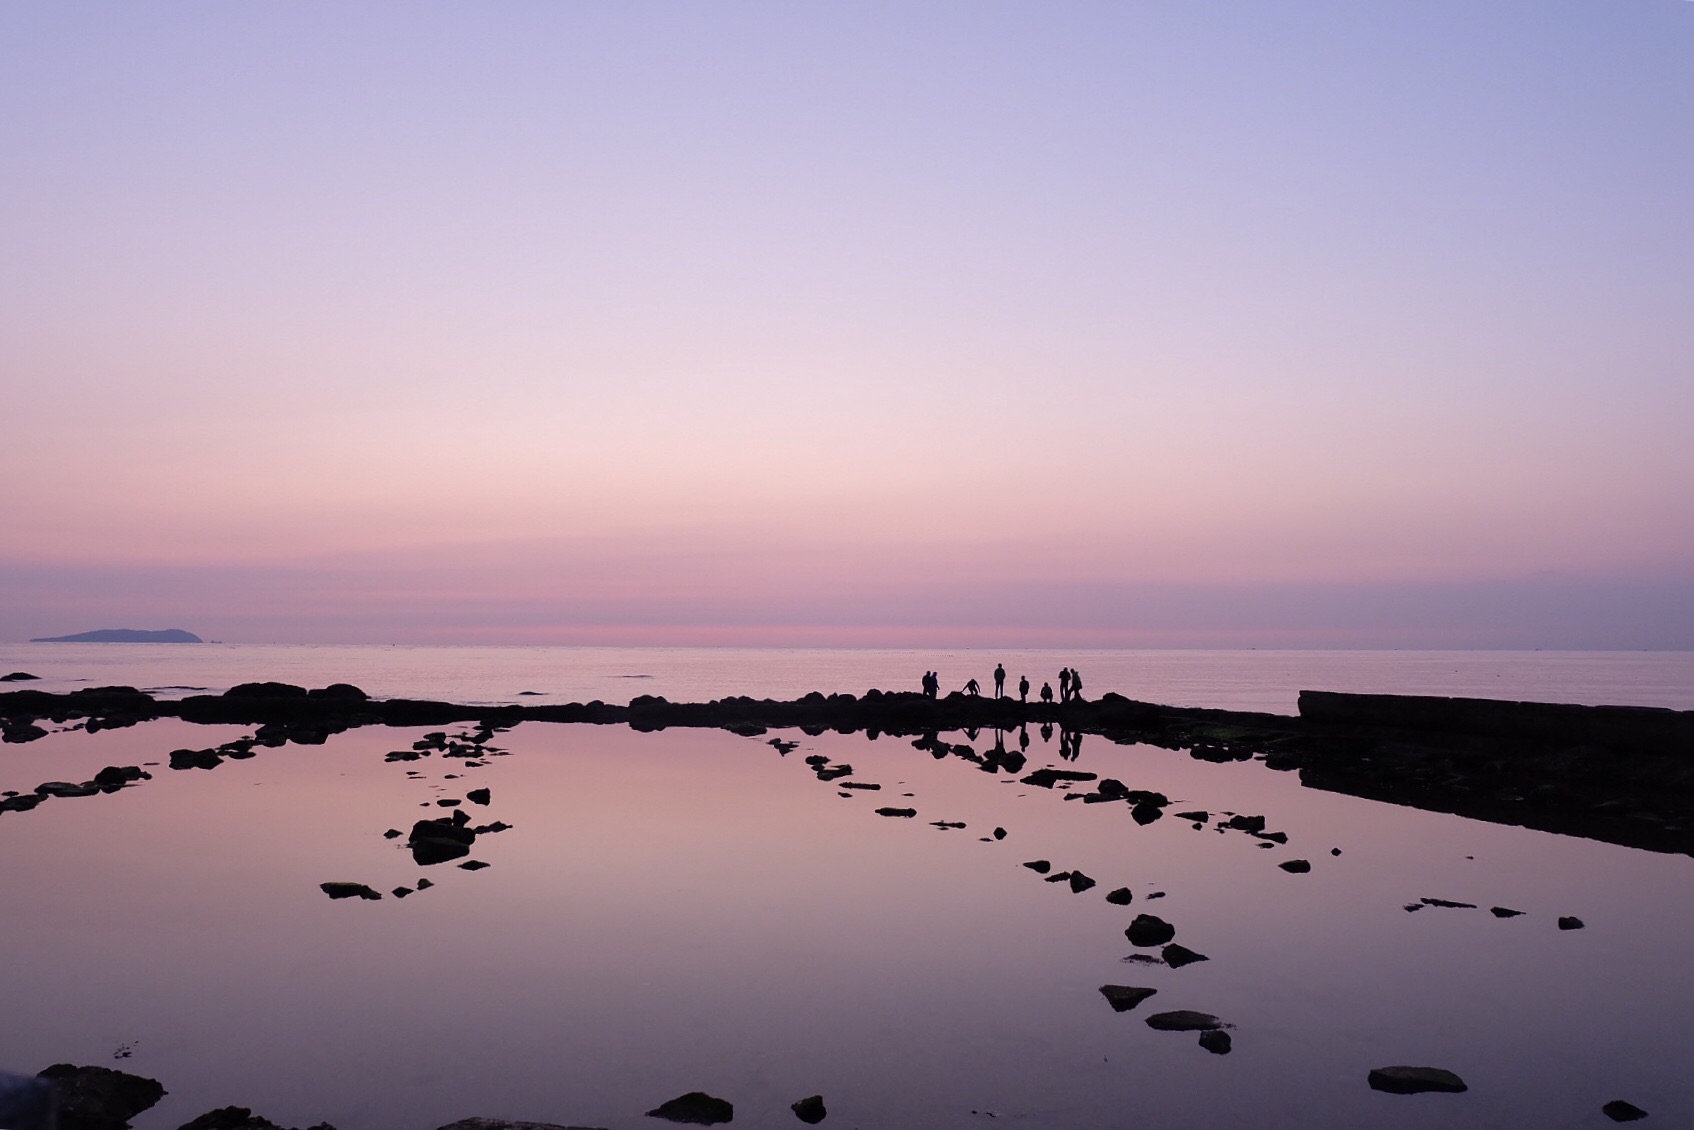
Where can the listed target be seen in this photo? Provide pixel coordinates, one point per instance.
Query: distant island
(124, 635)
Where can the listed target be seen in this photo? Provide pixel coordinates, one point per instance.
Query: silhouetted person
(1076, 686)
(931, 684)
(973, 688)
(1047, 693)
(999, 680)
(1064, 684)
(1023, 688)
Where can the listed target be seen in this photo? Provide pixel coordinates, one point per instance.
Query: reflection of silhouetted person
(1023, 738)
(1047, 693)
(1064, 684)
(972, 688)
(1046, 731)
(971, 733)
(999, 680)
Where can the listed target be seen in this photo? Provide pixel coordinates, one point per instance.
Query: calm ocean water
(1237, 680)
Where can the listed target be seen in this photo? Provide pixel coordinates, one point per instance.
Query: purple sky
(1328, 324)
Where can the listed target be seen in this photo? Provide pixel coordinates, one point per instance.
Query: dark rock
(1122, 998)
(66, 788)
(474, 865)
(503, 1124)
(1145, 814)
(99, 1098)
(1039, 866)
(1402, 1080)
(697, 1107)
(236, 1118)
(908, 812)
(945, 825)
(18, 731)
(1120, 897)
(437, 841)
(1080, 882)
(120, 775)
(21, 803)
(1215, 1041)
(401, 892)
(265, 690)
(1176, 956)
(1183, 1020)
(448, 802)
(1197, 816)
(1047, 778)
(1247, 823)
(18, 677)
(1449, 903)
(425, 884)
(339, 692)
(391, 834)
(195, 759)
(1334, 851)
(1149, 930)
(1059, 877)
(497, 826)
(1273, 837)
(1570, 923)
(866, 785)
(1504, 912)
(999, 833)
(810, 1110)
(1619, 1111)
(404, 755)
(348, 890)
(1112, 789)
(834, 772)
(1295, 866)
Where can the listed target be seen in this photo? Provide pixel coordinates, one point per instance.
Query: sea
(914, 934)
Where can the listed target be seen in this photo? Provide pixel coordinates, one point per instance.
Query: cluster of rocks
(109, 780)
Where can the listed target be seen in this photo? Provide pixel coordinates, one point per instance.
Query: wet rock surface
(99, 1098)
(1149, 930)
(696, 1107)
(1216, 1041)
(1122, 998)
(1176, 956)
(810, 1110)
(1404, 1080)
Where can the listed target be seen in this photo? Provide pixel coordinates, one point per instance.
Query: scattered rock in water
(784, 747)
(1176, 956)
(1047, 778)
(944, 825)
(195, 759)
(405, 755)
(479, 796)
(1120, 897)
(1413, 906)
(1271, 837)
(1145, 814)
(1039, 866)
(401, 892)
(1334, 851)
(1141, 959)
(1504, 912)
(1569, 922)
(425, 884)
(117, 776)
(449, 802)
(1197, 816)
(834, 772)
(696, 1107)
(265, 690)
(99, 1098)
(348, 891)
(1122, 998)
(474, 865)
(1295, 866)
(497, 826)
(1149, 930)
(906, 812)
(17, 803)
(810, 1110)
(1080, 882)
(67, 788)
(1246, 823)
(1619, 1111)
(20, 730)
(1216, 1041)
(1157, 895)
(1183, 1020)
(237, 1118)
(1402, 1080)
(999, 833)
(503, 1124)
(1449, 903)
(339, 692)
(438, 841)
(1059, 877)
(18, 677)
(391, 834)
(867, 785)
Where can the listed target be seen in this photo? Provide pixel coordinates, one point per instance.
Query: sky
(1189, 323)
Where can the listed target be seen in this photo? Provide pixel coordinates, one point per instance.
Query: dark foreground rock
(18, 677)
(348, 891)
(1296, 866)
(237, 1118)
(1122, 998)
(1149, 930)
(1403, 1080)
(1570, 923)
(1176, 956)
(1216, 1041)
(1120, 897)
(1183, 1020)
(1619, 1111)
(99, 1098)
(696, 1107)
(810, 1110)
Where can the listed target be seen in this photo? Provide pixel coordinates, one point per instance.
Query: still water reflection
(691, 910)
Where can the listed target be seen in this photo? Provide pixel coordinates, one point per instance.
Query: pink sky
(1135, 325)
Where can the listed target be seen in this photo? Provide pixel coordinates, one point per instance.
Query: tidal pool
(693, 910)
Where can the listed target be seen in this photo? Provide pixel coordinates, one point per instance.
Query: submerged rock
(696, 1107)
(1403, 1080)
(1122, 998)
(1619, 1111)
(348, 891)
(1183, 1020)
(1176, 956)
(1216, 1041)
(810, 1110)
(99, 1098)
(1149, 930)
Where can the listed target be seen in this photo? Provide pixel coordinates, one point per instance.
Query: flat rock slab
(1183, 1021)
(237, 1118)
(348, 891)
(696, 1107)
(99, 1098)
(1619, 1111)
(1403, 1080)
(502, 1124)
(1122, 998)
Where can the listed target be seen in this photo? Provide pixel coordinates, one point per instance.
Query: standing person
(1076, 688)
(1047, 693)
(1023, 688)
(1064, 685)
(999, 680)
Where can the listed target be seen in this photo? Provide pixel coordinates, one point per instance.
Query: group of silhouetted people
(1070, 686)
